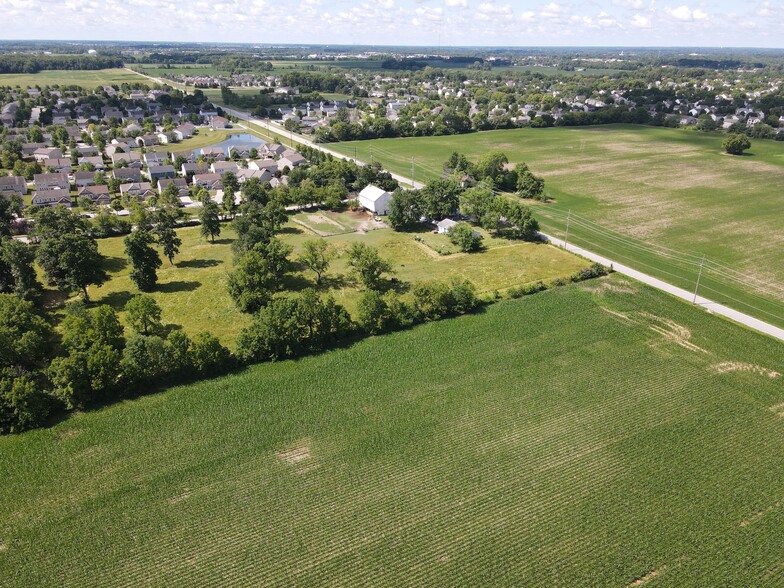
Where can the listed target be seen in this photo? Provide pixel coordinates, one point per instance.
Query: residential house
(58, 165)
(290, 159)
(86, 150)
(84, 178)
(262, 176)
(188, 156)
(184, 131)
(221, 167)
(98, 194)
(132, 159)
(12, 185)
(445, 226)
(375, 199)
(141, 190)
(264, 164)
(161, 171)
(127, 174)
(181, 183)
(52, 198)
(213, 153)
(208, 181)
(49, 181)
(273, 149)
(189, 169)
(219, 122)
(147, 140)
(94, 160)
(155, 157)
(44, 153)
(28, 149)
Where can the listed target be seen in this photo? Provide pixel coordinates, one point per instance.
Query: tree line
(34, 63)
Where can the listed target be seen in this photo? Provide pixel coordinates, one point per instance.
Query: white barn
(375, 199)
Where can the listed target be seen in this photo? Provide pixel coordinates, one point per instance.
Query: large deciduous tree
(144, 259)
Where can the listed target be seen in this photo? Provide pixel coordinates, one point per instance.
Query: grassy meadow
(192, 293)
(87, 78)
(669, 187)
(600, 434)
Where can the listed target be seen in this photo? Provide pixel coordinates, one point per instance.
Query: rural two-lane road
(707, 304)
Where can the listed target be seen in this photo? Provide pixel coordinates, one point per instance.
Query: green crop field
(669, 187)
(86, 78)
(601, 434)
(192, 293)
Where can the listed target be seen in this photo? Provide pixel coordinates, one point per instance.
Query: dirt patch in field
(3, 547)
(618, 286)
(672, 331)
(184, 495)
(759, 514)
(320, 218)
(642, 580)
(619, 315)
(68, 434)
(736, 366)
(778, 409)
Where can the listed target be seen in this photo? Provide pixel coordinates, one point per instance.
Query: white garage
(375, 199)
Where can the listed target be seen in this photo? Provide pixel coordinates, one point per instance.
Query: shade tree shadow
(178, 286)
(199, 263)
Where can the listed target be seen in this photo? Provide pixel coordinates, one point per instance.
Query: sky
(660, 23)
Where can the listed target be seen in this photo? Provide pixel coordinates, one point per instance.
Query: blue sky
(718, 23)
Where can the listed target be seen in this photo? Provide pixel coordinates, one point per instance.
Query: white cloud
(635, 4)
(640, 22)
(685, 14)
(456, 3)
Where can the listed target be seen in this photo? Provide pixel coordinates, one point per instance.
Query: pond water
(239, 140)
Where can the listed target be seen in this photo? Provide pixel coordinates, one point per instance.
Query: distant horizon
(392, 46)
(410, 23)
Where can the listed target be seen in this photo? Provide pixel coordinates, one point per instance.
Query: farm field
(668, 187)
(600, 434)
(192, 293)
(87, 78)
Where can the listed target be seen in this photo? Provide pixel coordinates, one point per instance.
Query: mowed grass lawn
(555, 440)
(674, 188)
(192, 293)
(79, 77)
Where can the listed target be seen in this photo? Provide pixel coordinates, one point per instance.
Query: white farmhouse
(445, 225)
(375, 199)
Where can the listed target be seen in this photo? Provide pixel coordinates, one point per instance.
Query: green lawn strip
(192, 293)
(554, 440)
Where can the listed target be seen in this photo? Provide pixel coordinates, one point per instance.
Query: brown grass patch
(68, 434)
(736, 366)
(295, 453)
(184, 495)
(3, 547)
(672, 332)
(758, 515)
(642, 580)
(778, 409)
(620, 315)
(618, 286)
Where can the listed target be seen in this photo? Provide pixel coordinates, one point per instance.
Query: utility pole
(568, 220)
(699, 275)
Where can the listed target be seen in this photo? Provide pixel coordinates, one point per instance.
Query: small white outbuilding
(375, 199)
